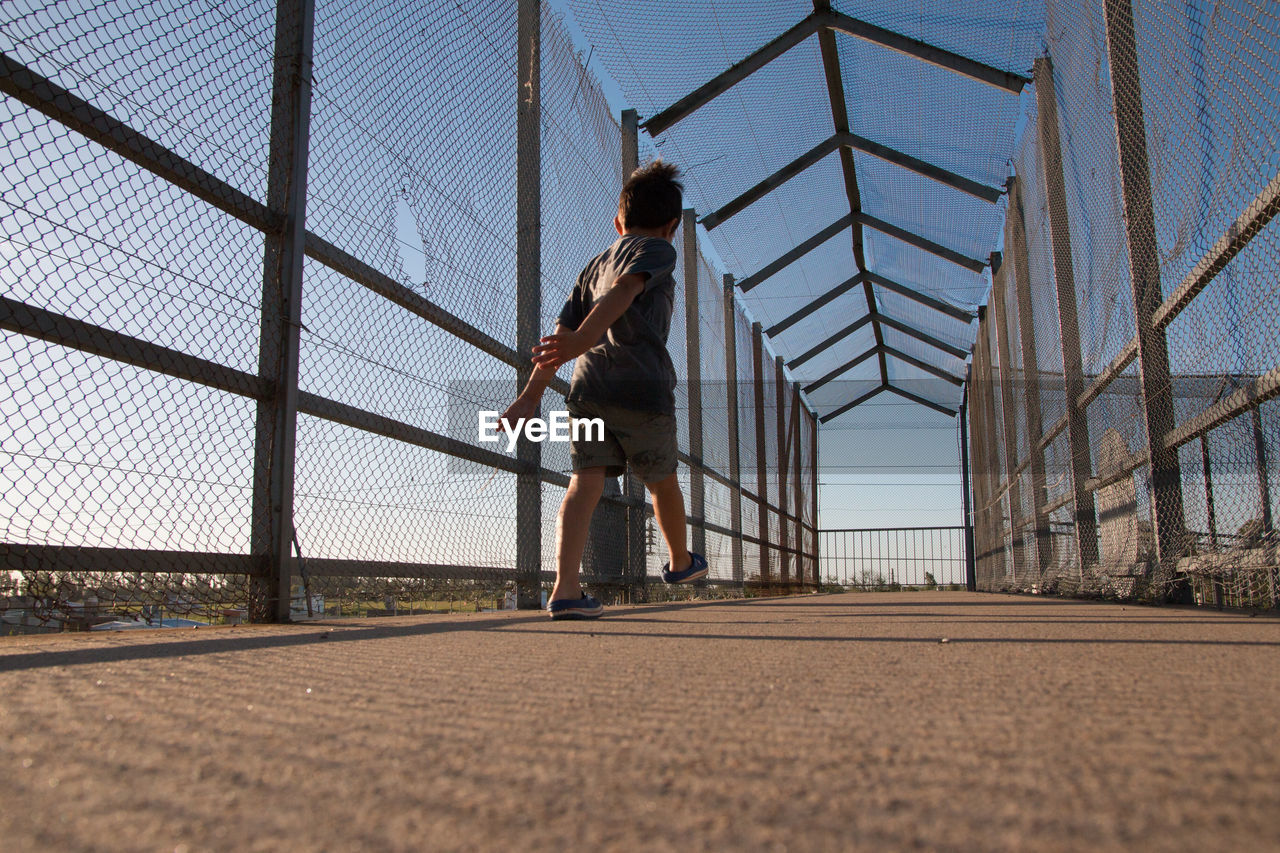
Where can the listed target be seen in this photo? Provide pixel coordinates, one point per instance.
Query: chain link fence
(226, 398)
(1124, 421)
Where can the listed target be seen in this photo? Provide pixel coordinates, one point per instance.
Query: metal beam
(834, 74)
(1256, 215)
(777, 179)
(279, 347)
(42, 94)
(973, 69)
(732, 403)
(829, 296)
(916, 296)
(924, 365)
(528, 168)
(844, 368)
(76, 334)
(737, 72)
(922, 167)
(846, 139)
(922, 243)
(838, 336)
(1078, 448)
(798, 252)
(393, 291)
(916, 398)
(1254, 393)
(852, 404)
(1016, 240)
(693, 360)
(922, 337)
(1167, 515)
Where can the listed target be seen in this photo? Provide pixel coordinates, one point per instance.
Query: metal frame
(823, 19)
(276, 423)
(693, 355)
(528, 291)
(825, 23)
(731, 417)
(1153, 350)
(1030, 382)
(847, 139)
(1078, 448)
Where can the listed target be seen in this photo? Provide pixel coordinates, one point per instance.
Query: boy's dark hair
(651, 197)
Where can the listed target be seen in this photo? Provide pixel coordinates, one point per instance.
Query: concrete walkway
(812, 723)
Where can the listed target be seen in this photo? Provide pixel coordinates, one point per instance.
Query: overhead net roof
(910, 153)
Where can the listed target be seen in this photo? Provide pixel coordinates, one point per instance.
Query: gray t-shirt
(630, 366)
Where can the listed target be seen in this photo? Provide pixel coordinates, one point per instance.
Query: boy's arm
(566, 345)
(526, 404)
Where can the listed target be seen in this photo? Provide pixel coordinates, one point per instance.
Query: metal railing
(893, 557)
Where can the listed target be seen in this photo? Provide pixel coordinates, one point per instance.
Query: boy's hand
(522, 409)
(557, 349)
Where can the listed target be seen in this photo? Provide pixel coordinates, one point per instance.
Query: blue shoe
(697, 569)
(586, 607)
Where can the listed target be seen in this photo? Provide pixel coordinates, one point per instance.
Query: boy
(616, 325)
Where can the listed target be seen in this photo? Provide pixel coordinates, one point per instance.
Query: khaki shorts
(645, 440)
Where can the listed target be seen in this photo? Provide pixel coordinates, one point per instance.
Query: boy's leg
(668, 508)
(572, 524)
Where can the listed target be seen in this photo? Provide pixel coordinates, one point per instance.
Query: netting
(139, 350)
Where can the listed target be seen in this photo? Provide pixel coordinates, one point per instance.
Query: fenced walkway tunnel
(264, 263)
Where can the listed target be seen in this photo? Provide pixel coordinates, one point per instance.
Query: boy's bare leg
(668, 508)
(572, 524)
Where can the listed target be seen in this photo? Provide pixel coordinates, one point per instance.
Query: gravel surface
(930, 720)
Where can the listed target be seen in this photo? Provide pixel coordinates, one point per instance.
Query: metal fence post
(796, 484)
(693, 353)
(1030, 376)
(1086, 520)
(528, 293)
(280, 344)
(780, 395)
(762, 481)
(1264, 484)
(731, 397)
(1153, 352)
(1000, 316)
(970, 575)
(813, 497)
(994, 519)
(632, 488)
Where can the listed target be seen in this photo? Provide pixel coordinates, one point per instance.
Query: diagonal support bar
(973, 69)
(916, 296)
(922, 337)
(777, 179)
(916, 398)
(825, 299)
(798, 252)
(836, 338)
(921, 167)
(845, 139)
(922, 243)
(739, 71)
(831, 69)
(844, 368)
(852, 404)
(924, 365)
